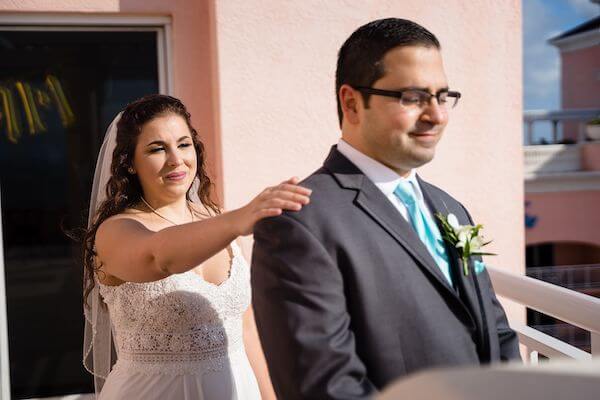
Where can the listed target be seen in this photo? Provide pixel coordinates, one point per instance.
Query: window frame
(162, 25)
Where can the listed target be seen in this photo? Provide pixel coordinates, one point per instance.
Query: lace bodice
(181, 323)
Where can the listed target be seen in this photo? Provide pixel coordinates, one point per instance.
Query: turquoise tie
(426, 228)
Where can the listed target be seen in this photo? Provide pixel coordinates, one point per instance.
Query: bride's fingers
(269, 212)
(294, 188)
(284, 204)
(293, 180)
(286, 195)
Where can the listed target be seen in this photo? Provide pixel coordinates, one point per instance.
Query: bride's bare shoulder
(127, 214)
(128, 219)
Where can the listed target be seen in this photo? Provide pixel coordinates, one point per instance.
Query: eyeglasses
(415, 98)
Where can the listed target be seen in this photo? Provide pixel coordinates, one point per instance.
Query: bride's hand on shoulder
(272, 201)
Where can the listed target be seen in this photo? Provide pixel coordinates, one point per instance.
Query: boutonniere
(466, 238)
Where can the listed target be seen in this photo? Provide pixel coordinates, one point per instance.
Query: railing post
(580, 132)
(595, 344)
(534, 357)
(530, 132)
(565, 304)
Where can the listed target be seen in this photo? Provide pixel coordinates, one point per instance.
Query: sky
(542, 20)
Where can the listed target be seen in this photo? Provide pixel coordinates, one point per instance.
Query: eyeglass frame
(398, 93)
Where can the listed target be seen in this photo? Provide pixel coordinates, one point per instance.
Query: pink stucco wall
(564, 217)
(580, 84)
(278, 113)
(258, 77)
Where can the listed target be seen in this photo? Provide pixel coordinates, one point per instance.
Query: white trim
(4, 362)
(65, 28)
(168, 61)
(562, 182)
(581, 114)
(565, 304)
(160, 60)
(548, 345)
(551, 159)
(87, 396)
(580, 41)
(74, 19)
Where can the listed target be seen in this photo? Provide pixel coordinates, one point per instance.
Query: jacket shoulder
(437, 191)
(327, 202)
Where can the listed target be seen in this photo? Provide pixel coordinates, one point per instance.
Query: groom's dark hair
(360, 57)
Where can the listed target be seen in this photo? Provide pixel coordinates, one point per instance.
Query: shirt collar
(383, 177)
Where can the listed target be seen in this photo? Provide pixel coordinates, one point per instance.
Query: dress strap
(234, 250)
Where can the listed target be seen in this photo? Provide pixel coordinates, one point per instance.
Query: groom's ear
(349, 101)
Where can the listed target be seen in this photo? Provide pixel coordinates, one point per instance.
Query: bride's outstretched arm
(131, 252)
(256, 356)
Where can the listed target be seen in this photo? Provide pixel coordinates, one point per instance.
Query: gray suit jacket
(347, 298)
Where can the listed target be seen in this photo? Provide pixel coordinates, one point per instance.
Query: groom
(358, 288)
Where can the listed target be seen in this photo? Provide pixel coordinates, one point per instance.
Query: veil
(99, 346)
(99, 352)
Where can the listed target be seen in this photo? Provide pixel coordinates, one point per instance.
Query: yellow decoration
(12, 128)
(32, 99)
(37, 121)
(64, 109)
(42, 98)
(26, 106)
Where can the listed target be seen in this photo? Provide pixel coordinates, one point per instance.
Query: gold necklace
(162, 216)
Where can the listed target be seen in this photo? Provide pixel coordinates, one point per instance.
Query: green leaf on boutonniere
(465, 238)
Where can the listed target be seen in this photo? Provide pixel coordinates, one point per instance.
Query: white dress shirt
(384, 178)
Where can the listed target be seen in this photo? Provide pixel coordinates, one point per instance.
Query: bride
(166, 289)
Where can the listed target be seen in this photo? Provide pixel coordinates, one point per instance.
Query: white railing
(567, 305)
(552, 158)
(579, 117)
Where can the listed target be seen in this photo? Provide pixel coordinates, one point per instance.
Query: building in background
(562, 181)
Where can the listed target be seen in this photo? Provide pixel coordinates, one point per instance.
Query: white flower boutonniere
(466, 238)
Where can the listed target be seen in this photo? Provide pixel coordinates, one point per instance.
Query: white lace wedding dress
(181, 338)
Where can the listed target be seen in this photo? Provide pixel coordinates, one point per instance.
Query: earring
(131, 170)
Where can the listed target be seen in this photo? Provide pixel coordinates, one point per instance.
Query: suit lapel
(464, 284)
(371, 201)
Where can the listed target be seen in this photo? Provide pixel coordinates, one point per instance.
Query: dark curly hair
(123, 189)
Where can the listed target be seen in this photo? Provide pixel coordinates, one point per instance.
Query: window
(59, 90)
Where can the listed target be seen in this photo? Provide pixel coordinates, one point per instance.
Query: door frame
(4, 362)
